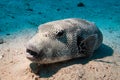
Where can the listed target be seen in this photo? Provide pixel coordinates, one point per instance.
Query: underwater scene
(19, 22)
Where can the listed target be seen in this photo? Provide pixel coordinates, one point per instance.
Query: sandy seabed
(19, 21)
(104, 65)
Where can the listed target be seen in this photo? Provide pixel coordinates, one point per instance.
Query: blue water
(18, 15)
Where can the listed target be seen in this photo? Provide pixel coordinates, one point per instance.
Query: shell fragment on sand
(1, 56)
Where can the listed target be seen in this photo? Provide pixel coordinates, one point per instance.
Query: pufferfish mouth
(31, 55)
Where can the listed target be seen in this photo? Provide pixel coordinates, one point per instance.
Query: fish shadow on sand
(46, 71)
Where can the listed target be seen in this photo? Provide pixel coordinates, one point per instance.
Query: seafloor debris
(29, 9)
(8, 34)
(80, 4)
(1, 56)
(58, 9)
(1, 41)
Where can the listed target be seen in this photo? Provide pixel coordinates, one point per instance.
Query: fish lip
(30, 57)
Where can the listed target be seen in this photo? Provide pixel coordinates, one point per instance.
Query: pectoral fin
(87, 45)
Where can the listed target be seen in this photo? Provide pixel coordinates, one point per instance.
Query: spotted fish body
(64, 40)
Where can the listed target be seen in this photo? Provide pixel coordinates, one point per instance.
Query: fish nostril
(31, 52)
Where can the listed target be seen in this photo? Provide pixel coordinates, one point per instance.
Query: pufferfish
(63, 40)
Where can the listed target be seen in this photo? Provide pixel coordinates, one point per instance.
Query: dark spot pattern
(56, 54)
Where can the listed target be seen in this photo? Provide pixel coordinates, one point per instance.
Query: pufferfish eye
(60, 33)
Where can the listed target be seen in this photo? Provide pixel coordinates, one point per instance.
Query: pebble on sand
(1, 56)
